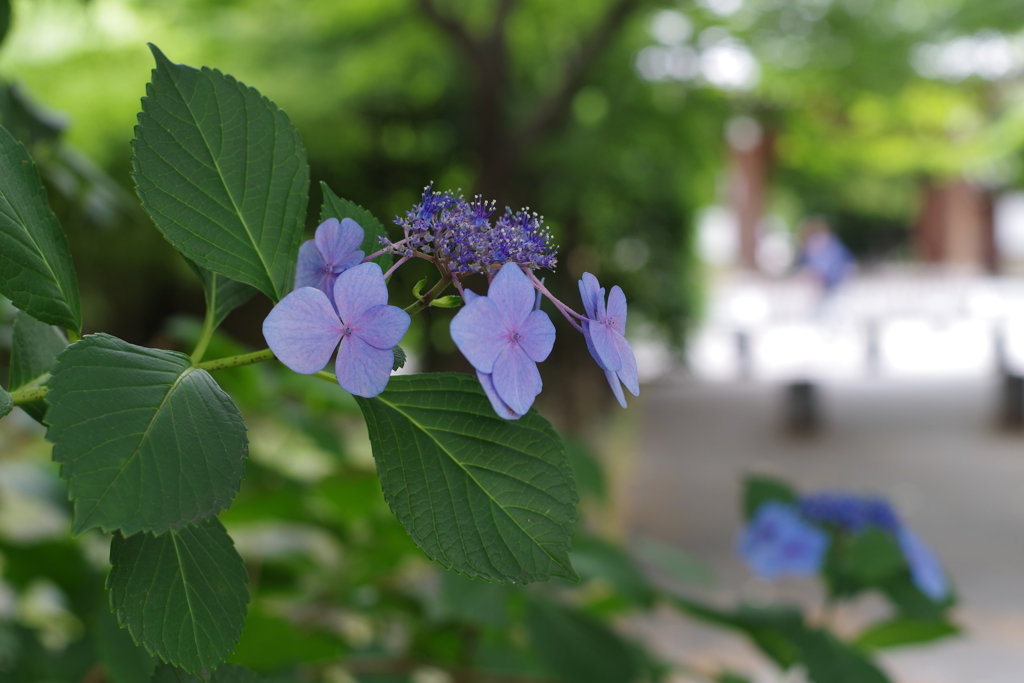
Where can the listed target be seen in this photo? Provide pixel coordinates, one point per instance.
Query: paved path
(932, 447)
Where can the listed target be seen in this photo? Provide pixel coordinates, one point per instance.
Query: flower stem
(434, 292)
(562, 308)
(204, 338)
(23, 396)
(385, 250)
(72, 336)
(326, 376)
(395, 266)
(237, 361)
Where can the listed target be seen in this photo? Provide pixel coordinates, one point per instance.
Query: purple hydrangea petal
(512, 294)
(617, 310)
(606, 345)
(358, 290)
(590, 293)
(338, 240)
(516, 378)
(628, 372)
(382, 326)
(479, 333)
(500, 407)
(468, 296)
(616, 385)
(590, 344)
(925, 568)
(537, 336)
(303, 330)
(363, 370)
(311, 270)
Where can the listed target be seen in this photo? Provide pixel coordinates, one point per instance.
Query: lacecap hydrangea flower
(778, 542)
(764, 541)
(305, 328)
(503, 337)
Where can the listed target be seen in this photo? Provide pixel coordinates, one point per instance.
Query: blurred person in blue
(824, 256)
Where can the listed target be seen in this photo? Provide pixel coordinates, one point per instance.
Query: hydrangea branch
(23, 396)
(237, 361)
(434, 292)
(204, 338)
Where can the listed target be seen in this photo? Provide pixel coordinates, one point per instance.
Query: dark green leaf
(585, 468)
(26, 120)
(223, 295)
(336, 207)
(124, 661)
(223, 174)
(400, 358)
(182, 595)
(578, 648)
(36, 272)
(146, 441)
(488, 497)
(829, 660)
(34, 350)
(6, 403)
(904, 631)
(871, 556)
(911, 602)
(759, 490)
(593, 558)
(226, 673)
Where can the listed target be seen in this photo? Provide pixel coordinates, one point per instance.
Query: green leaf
(594, 558)
(904, 631)
(6, 403)
(124, 661)
(675, 563)
(828, 660)
(400, 358)
(450, 301)
(336, 207)
(473, 601)
(223, 295)
(36, 272)
(34, 350)
(227, 673)
(871, 556)
(759, 490)
(181, 595)
(145, 441)
(578, 648)
(417, 289)
(488, 497)
(223, 174)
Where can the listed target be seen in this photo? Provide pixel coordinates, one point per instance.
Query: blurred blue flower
(333, 250)
(305, 327)
(503, 336)
(605, 331)
(925, 569)
(849, 512)
(778, 542)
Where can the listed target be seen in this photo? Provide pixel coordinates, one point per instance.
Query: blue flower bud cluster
(460, 236)
(848, 512)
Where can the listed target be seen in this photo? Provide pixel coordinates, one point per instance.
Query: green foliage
(458, 477)
(124, 661)
(336, 207)
(227, 673)
(904, 631)
(222, 172)
(182, 595)
(223, 295)
(783, 635)
(758, 490)
(146, 441)
(34, 349)
(577, 647)
(36, 272)
(595, 558)
(6, 403)
(270, 643)
(400, 358)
